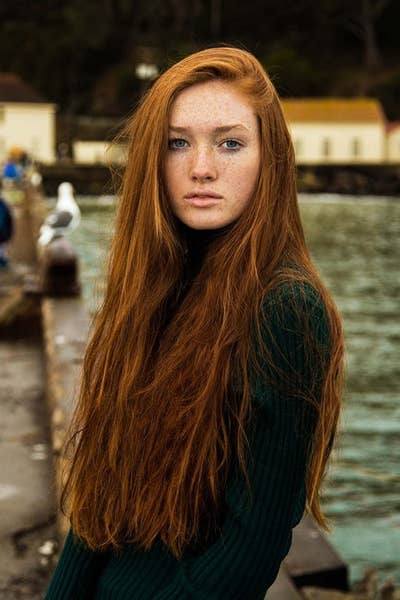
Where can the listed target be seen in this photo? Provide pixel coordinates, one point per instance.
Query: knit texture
(244, 560)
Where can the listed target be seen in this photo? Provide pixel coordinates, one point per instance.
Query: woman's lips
(202, 201)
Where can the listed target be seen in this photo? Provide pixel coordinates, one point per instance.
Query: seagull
(63, 219)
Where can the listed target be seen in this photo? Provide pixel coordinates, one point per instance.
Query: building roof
(333, 110)
(14, 89)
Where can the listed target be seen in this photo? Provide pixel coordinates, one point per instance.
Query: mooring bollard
(59, 269)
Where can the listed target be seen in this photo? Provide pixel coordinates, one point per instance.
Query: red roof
(14, 89)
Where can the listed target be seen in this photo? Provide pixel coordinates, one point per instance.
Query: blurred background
(70, 74)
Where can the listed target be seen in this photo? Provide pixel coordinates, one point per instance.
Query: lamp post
(146, 72)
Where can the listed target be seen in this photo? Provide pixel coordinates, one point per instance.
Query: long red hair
(154, 432)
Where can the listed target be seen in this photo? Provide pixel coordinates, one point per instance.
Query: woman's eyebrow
(222, 129)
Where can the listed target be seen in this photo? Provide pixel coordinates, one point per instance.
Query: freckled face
(213, 159)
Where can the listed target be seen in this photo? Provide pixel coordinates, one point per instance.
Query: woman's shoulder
(293, 293)
(296, 305)
(291, 283)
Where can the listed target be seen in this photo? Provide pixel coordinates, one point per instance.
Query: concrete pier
(27, 495)
(65, 329)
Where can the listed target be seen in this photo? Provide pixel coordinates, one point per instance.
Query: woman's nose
(203, 166)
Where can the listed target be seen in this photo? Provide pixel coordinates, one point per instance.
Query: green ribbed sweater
(243, 562)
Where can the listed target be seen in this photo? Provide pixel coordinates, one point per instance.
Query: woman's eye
(176, 143)
(232, 144)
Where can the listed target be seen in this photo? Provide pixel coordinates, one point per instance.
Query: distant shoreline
(380, 180)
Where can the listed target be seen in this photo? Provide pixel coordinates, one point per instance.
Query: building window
(326, 147)
(356, 147)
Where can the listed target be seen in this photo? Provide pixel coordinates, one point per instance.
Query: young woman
(212, 381)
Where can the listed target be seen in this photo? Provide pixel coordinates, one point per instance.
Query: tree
(360, 18)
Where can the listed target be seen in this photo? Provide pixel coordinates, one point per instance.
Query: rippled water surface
(355, 243)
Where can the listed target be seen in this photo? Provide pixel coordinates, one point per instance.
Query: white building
(87, 152)
(26, 120)
(337, 130)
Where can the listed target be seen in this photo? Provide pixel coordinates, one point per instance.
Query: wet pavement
(27, 496)
(28, 526)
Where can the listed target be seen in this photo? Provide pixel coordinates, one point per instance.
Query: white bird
(64, 218)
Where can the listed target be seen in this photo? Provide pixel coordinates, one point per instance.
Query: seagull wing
(58, 219)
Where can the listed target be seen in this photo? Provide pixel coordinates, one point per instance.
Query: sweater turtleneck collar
(197, 241)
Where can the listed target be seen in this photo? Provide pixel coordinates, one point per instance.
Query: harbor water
(355, 243)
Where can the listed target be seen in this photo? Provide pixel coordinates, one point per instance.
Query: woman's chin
(204, 222)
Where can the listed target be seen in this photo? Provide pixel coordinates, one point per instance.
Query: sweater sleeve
(76, 572)
(244, 560)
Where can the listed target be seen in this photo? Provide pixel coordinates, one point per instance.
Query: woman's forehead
(211, 104)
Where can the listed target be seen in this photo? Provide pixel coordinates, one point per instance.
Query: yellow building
(27, 121)
(337, 130)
